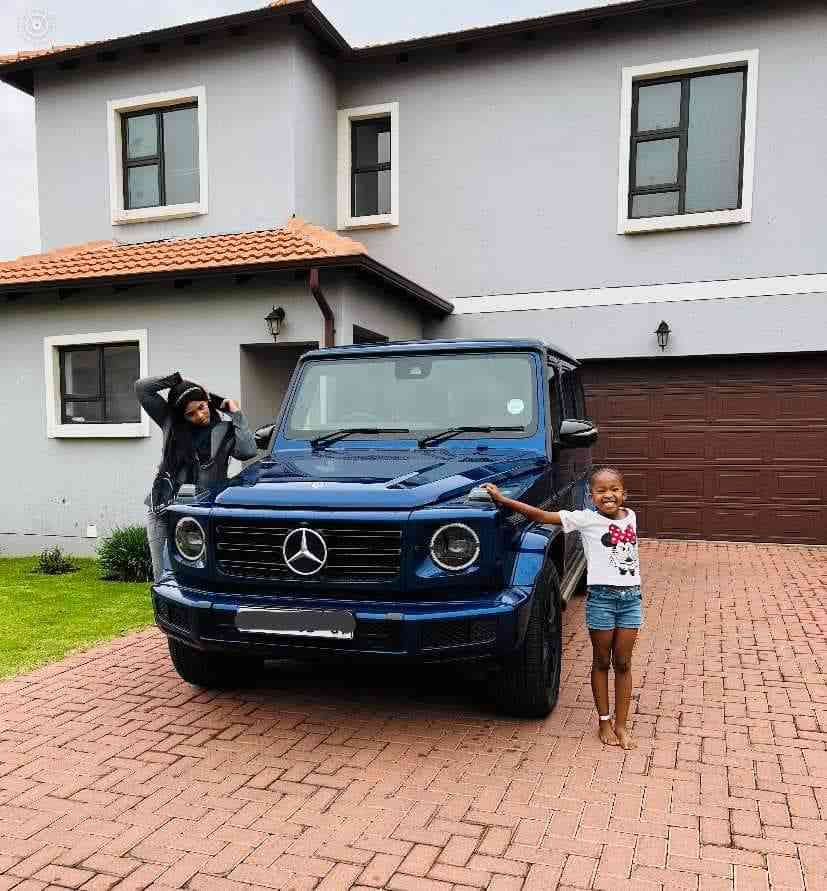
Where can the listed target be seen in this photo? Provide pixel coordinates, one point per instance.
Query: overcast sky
(28, 25)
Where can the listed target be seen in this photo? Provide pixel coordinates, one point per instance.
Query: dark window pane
(372, 193)
(659, 106)
(120, 371)
(80, 372)
(714, 149)
(83, 412)
(142, 136)
(657, 204)
(657, 162)
(371, 142)
(142, 186)
(181, 155)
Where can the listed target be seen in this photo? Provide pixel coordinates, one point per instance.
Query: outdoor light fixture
(274, 320)
(662, 333)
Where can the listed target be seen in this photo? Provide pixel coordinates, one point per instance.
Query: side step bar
(572, 581)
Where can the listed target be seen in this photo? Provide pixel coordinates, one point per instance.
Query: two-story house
(639, 182)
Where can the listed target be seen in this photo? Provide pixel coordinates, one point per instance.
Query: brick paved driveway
(114, 773)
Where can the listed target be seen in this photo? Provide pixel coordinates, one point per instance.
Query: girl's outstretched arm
(533, 513)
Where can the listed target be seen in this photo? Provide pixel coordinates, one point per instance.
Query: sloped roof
(296, 245)
(15, 68)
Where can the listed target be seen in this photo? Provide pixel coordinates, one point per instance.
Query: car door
(573, 466)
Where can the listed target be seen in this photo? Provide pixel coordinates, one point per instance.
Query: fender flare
(536, 547)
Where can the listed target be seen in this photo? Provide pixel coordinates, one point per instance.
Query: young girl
(613, 606)
(198, 445)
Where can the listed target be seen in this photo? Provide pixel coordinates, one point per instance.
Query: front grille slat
(372, 552)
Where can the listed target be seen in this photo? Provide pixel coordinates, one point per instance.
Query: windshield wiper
(434, 438)
(329, 438)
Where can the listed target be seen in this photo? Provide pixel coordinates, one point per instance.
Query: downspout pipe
(324, 306)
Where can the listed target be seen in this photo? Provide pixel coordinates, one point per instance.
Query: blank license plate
(330, 623)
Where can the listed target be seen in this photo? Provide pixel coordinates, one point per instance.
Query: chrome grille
(371, 552)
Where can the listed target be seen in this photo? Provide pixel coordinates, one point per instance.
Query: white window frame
(345, 220)
(115, 108)
(55, 428)
(627, 225)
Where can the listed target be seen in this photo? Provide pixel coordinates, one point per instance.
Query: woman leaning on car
(202, 431)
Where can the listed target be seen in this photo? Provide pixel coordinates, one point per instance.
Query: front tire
(529, 683)
(212, 671)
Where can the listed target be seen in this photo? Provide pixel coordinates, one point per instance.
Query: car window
(573, 403)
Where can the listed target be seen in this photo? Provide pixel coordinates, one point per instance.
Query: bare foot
(625, 738)
(607, 734)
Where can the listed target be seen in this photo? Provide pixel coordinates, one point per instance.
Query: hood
(362, 479)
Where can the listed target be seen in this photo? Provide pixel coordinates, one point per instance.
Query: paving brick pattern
(116, 774)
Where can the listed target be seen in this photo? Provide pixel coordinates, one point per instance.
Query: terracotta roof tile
(297, 240)
(25, 55)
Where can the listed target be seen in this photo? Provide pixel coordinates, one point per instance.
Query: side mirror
(263, 434)
(577, 434)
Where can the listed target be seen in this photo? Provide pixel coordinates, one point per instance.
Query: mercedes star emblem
(305, 551)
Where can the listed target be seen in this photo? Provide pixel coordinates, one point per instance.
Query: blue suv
(363, 531)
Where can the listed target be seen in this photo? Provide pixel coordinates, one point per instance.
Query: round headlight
(190, 538)
(455, 546)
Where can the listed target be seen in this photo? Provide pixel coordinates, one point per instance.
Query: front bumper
(422, 631)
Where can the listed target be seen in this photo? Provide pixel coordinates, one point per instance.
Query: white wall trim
(114, 109)
(773, 286)
(625, 224)
(343, 164)
(55, 429)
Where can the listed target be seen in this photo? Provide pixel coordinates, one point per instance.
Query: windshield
(425, 394)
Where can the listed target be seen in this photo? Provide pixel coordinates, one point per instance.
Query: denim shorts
(609, 607)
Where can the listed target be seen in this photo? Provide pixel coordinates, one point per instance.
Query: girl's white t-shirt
(610, 545)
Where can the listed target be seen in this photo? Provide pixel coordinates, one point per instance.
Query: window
(96, 384)
(687, 147)
(368, 179)
(158, 156)
(90, 382)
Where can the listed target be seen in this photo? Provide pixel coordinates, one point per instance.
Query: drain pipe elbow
(324, 306)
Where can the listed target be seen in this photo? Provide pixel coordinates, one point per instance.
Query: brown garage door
(725, 448)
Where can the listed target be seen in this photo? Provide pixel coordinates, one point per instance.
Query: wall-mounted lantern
(662, 333)
(275, 319)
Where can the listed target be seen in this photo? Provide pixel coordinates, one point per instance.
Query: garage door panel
(807, 406)
(754, 406)
(619, 446)
(678, 482)
(798, 485)
(627, 408)
(791, 525)
(800, 445)
(732, 484)
(679, 522)
(699, 438)
(680, 446)
(733, 523)
(737, 445)
(637, 483)
(674, 405)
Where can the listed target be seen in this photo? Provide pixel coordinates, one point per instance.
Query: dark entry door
(718, 448)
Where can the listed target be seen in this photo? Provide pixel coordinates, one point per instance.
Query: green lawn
(43, 617)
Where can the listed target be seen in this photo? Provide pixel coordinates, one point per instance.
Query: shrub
(52, 561)
(124, 555)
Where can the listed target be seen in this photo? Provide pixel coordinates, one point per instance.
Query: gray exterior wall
(745, 325)
(53, 488)
(509, 156)
(271, 130)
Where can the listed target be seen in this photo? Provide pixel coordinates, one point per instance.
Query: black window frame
(681, 132)
(128, 163)
(380, 166)
(100, 398)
